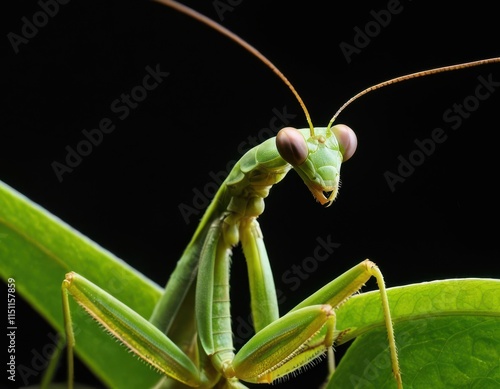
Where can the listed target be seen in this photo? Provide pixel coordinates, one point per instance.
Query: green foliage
(38, 249)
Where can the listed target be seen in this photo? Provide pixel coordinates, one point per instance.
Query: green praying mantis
(281, 345)
(216, 236)
(197, 293)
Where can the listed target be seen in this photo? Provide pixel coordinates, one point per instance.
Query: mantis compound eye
(347, 140)
(292, 146)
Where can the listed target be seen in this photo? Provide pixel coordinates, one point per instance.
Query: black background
(125, 195)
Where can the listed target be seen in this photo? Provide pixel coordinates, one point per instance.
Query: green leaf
(37, 249)
(447, 332)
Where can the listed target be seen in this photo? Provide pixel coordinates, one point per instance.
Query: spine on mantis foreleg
(126, 325)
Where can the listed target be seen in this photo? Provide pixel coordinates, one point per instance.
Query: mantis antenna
(231, 35)
(422, 73)
(216, 26)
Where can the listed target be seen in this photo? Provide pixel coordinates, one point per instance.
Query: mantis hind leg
(343, 287)
(308, 331)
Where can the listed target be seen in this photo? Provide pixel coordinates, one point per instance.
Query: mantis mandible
(201, 278)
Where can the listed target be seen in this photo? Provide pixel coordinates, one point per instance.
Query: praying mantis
(303, 280)
(281, 345)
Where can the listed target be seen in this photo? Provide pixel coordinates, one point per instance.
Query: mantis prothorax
(201, 353)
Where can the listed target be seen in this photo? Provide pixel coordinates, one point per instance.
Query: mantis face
(317, 158)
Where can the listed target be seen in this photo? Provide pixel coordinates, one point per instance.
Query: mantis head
(317, 158)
